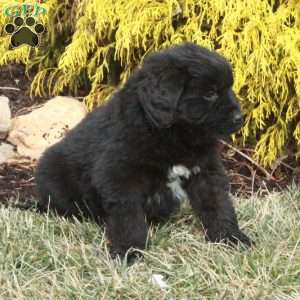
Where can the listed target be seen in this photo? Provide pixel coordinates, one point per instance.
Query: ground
(46, 257)
(17, 181)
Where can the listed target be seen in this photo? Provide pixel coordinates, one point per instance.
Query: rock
(5, 116)
(6, 152)
(45, 126)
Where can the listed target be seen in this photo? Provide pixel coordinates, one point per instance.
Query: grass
(43, 257)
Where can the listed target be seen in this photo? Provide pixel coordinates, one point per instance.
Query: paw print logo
(24, 32)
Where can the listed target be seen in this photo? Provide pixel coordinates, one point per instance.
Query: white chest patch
(176, 176)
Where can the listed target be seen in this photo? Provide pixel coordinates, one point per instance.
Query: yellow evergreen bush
(102, 41)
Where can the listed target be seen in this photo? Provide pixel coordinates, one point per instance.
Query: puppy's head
(189, 84)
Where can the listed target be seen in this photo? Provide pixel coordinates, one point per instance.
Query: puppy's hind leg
(55, 190)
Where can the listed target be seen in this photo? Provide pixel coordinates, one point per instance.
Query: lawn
(46, 257)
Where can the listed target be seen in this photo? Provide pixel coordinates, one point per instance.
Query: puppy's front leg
(209, 198)
(126, 226)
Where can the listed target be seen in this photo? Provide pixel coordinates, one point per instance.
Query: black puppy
(154, 143)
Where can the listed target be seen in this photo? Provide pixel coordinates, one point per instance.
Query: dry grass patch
(53, 258)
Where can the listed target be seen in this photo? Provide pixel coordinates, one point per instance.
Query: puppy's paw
(237, 238)
(233, 239)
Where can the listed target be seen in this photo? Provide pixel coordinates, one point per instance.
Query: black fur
(114, 165)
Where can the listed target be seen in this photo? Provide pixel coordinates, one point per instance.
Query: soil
(17, 179)
(16, 86)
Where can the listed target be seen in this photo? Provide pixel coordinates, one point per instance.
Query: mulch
(15, 85)
(247, 177)
(17, 178)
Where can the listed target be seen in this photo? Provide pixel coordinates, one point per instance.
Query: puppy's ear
(159, 93)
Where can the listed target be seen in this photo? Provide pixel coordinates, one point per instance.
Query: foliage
(101, 42)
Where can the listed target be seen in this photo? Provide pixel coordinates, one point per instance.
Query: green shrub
(102, 41)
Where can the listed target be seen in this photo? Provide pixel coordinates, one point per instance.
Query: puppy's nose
(238, 118)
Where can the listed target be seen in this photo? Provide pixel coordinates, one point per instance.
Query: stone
(33, 133)
(5, 117)
(6, 152)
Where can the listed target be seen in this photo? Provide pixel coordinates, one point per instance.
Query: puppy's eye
(211, 96)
